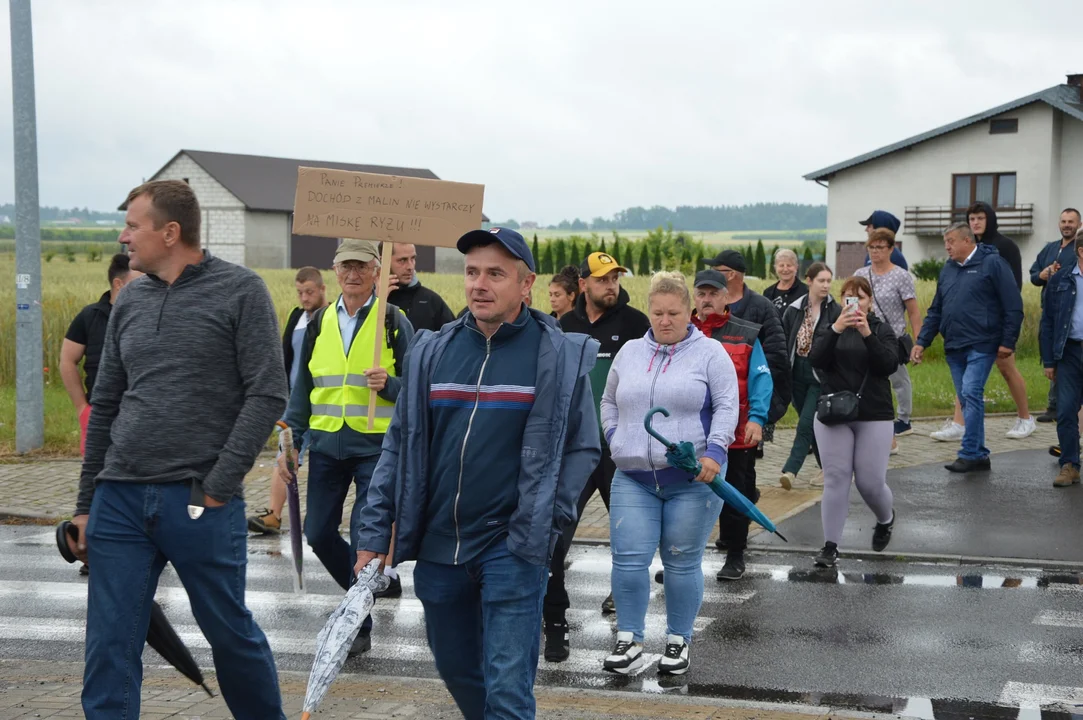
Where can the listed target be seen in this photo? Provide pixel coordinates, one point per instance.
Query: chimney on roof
(1075, 80)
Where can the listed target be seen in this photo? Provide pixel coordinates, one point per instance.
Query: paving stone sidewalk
(47, 489)
(51, 690)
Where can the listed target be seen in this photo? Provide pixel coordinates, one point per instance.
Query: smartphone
(851, 301)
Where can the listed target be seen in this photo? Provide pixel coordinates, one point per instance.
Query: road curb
(26, 514)
(943, 558)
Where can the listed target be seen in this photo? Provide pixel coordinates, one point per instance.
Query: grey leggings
(857, 450)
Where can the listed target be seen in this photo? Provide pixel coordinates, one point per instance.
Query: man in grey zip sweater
(189, 388)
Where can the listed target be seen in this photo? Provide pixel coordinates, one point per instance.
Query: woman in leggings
(854, 350)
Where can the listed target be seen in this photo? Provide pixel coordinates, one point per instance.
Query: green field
(68, 286)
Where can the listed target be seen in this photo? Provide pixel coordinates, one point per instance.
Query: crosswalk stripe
(1028, 694)
(583, 661)
(1037, 652)
(1060, 618)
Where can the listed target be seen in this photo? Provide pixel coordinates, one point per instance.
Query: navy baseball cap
(710, 278)
(512, 241)
(882, 219)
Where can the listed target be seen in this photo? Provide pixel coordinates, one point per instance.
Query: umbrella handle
(651, 431)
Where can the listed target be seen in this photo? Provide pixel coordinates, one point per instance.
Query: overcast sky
(561, 109)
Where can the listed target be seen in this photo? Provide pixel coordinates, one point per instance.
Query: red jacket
(754, 382)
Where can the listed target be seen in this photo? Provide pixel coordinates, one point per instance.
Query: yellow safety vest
(340, 391)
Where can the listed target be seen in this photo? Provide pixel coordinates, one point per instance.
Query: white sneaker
(674, 660)
(627, 655)
(817, 480)
(894, 447)
(1023, 428)
(786, 480)
(950, 431)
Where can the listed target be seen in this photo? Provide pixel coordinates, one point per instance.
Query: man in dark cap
(492, 440)
(884, 219)
(752, 307)
(740, 338)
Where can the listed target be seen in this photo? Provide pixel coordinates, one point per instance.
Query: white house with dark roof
(1024, 157)
(247, 204)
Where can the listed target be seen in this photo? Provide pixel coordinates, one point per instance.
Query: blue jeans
(328, 482)
(676, 519)
(969, 372)
(1069, 398)
(483, 620)
(133, 530)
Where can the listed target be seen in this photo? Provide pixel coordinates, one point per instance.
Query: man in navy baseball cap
(512, 241)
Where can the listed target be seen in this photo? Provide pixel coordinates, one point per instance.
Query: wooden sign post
(387, 209)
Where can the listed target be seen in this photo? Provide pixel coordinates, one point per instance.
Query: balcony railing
(929, 220)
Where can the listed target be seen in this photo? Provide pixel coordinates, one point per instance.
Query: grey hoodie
(190, 383)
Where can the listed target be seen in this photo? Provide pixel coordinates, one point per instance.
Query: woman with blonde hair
(655, 507)
(788, 288)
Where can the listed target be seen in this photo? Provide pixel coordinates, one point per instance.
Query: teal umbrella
(683, 455)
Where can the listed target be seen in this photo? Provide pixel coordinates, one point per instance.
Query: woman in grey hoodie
(654, 506)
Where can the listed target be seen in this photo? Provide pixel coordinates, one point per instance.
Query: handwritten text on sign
(339, 203)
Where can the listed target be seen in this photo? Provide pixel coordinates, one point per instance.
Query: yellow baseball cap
(599, 264)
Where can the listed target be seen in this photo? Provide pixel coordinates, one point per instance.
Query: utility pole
(29, 383)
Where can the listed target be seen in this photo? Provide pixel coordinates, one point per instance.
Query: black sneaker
(1049, 416)
(1054, 450)
(881, 536)
(558, 644)
(829, 556)
(660, 577)
(627, 656)
(674, 660)
(393, 590)
(734, 569)
(361, 644)
(84, 570)
(608, 606)
(720, 543)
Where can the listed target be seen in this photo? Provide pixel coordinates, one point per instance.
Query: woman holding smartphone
(854, 350)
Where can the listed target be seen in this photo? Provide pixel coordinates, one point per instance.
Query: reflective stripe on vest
(340, 394)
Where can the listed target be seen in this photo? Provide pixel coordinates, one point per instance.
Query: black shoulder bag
(840, 407)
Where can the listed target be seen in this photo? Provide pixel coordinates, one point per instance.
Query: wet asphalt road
(884, 636)
(1012, 511)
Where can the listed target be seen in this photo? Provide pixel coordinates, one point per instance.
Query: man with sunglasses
(328, 408)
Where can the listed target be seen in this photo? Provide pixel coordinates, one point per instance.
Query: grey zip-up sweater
(190, 383)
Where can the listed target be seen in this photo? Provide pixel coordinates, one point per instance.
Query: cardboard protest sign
(388, 208)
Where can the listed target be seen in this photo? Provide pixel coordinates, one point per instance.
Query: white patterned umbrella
(333, 642)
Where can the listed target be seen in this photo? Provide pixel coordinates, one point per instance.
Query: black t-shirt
(782, 298)
(88, 328)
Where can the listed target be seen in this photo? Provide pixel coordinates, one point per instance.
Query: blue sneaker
(902, 428)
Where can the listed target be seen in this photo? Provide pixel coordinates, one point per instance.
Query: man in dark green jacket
(602, 312)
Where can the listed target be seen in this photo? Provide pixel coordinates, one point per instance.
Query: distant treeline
(79, 235)
(53, 214)
(758, 216)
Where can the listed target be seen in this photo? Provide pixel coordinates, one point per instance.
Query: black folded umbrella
(164, 639)
(160, 634)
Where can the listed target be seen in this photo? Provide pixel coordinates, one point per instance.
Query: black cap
(730, 258)
(710, 278)
(511, 240)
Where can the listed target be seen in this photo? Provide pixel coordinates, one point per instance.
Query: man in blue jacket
(1062, 355)
(1058, 253)
(493, 437)
(978, 310)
